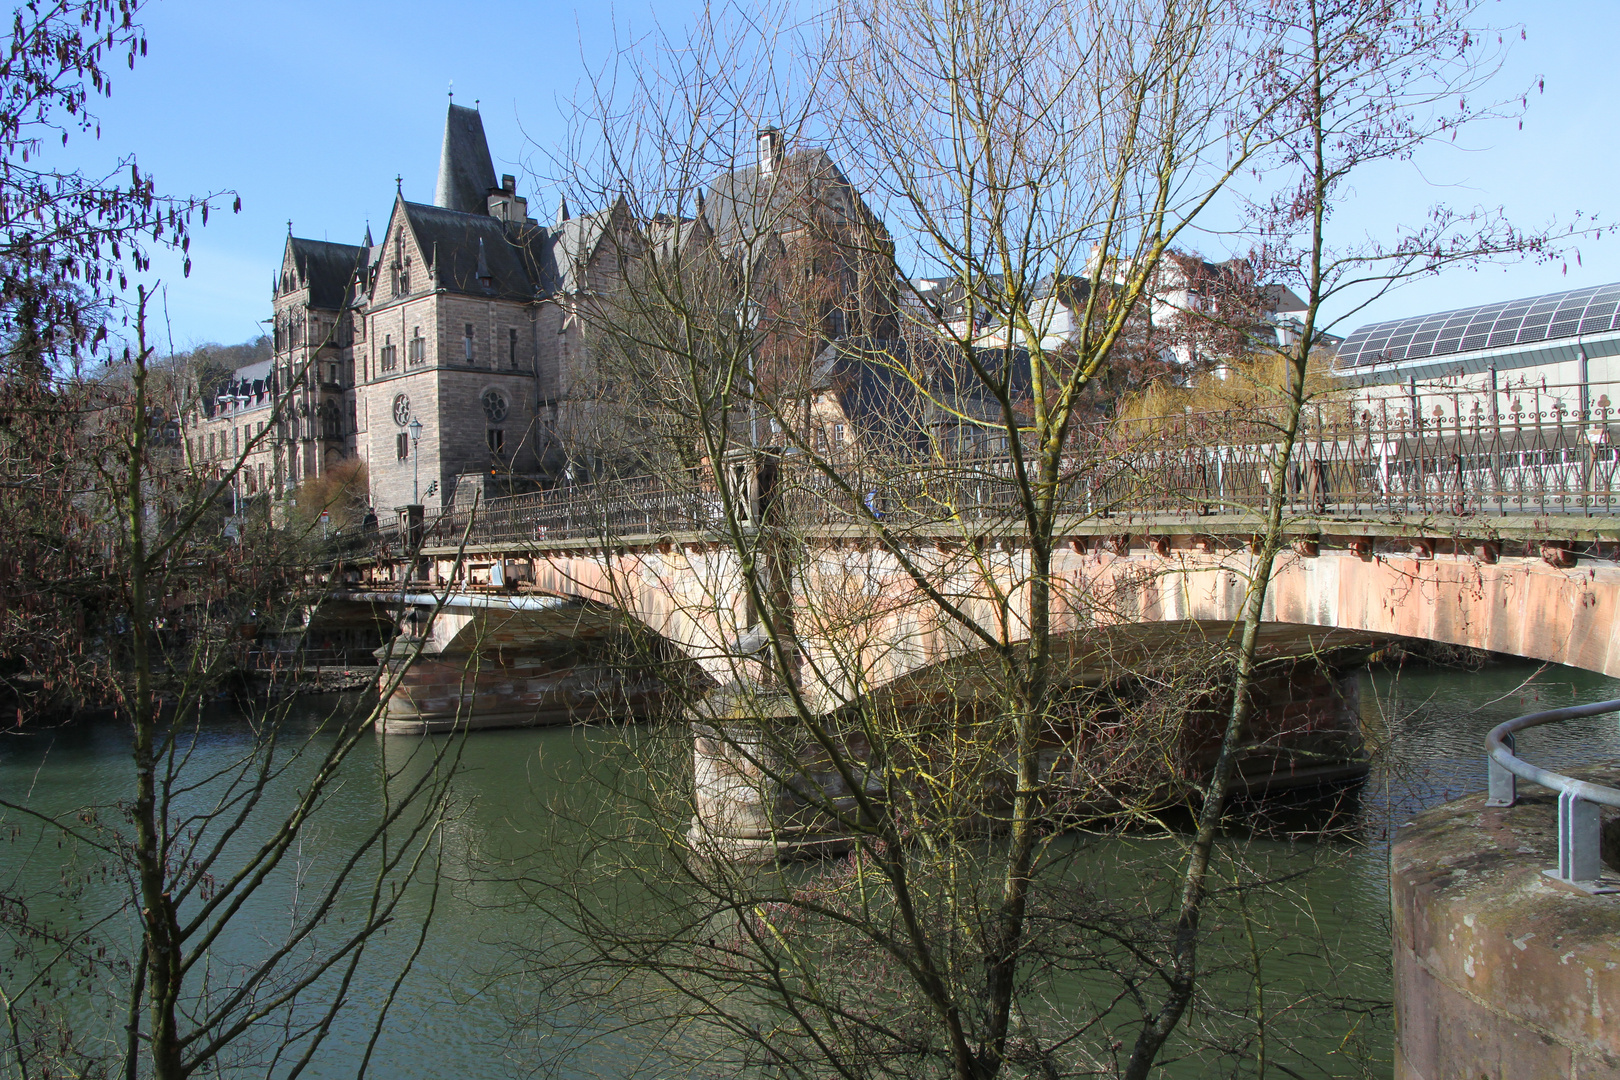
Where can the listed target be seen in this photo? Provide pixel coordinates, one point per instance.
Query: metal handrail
(1580, 825)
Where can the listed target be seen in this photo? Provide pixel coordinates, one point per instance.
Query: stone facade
(469, 318)
(293, 416)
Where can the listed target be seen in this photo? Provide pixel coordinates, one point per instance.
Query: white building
(1541, 357)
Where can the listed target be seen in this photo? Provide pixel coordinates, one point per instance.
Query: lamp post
(416, 461)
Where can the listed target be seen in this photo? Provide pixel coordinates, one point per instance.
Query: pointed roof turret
(466, 171)
(562, 208)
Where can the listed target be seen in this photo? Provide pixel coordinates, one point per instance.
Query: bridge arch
(1520, 606)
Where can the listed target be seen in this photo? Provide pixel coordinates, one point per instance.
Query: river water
(455, 1013)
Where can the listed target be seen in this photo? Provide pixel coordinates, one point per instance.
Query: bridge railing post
(1502, 785)
(1580, 838)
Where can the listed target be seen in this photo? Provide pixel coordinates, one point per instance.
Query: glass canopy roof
(1592, 310)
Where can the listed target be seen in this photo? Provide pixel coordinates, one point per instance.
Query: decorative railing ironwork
(1352, 458)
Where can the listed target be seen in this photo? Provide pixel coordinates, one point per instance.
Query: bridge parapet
(1525, 455)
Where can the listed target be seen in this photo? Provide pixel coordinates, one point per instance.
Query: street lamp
(416, 461)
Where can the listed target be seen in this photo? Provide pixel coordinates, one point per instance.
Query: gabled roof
(895, 398)
(466, 171)
(575, 241)
(326, 267)
(745, 206)
(462, 247)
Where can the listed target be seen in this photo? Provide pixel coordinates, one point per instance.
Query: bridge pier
(759, 784)
(765, 789)
(444, 693)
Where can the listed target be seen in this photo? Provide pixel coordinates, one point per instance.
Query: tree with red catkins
(67, 238)
(67, 244)
(127, 583)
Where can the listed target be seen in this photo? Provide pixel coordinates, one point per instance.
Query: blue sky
(310, 109)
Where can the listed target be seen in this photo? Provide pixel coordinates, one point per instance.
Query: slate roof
(327, 267)
(572, 244)
(466, 171)
(745, 207)
(463, 246)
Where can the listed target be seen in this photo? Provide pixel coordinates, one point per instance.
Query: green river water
(460, 1013)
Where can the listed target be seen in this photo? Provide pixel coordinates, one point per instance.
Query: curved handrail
(1580, 860)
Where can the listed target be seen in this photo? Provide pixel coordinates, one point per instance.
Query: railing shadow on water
(1352, 459)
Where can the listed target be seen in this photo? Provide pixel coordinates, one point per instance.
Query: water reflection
(522, 797)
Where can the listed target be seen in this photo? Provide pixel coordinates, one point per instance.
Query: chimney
(770, 151)
(504, 205)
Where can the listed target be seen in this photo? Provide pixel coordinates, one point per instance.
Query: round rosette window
(402, 410)
(495, 406)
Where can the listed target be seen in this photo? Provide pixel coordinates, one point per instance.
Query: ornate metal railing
(1352, 458)
(1580, 825)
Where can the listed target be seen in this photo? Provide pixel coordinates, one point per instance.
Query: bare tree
(121, 591)
(929, 459)
(1364, 85)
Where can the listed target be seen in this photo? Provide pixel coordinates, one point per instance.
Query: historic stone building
(450, 354)
(441, 355)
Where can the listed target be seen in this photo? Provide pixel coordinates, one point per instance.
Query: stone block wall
(1501, 973)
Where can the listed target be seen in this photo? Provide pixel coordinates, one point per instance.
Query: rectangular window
(838, 436)
(511, 347)
(402, 445)
(390, 354)
(418, 346)
(467, 342)
(821, 439)
(497, 441)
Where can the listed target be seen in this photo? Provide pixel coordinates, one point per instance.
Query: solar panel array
(1592, 310)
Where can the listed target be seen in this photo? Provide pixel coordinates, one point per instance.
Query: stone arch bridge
(1540, 588)
(1500, 541)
